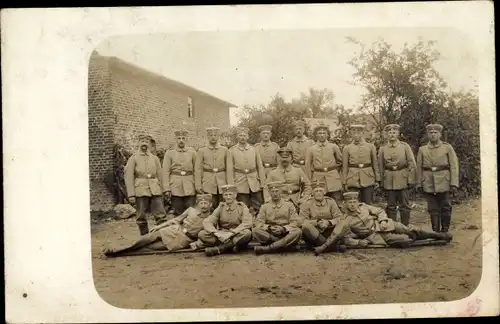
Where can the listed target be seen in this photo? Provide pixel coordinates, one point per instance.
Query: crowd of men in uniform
(310, 189)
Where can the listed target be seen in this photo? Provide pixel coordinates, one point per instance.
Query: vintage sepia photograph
(291, 168)
(250, 162)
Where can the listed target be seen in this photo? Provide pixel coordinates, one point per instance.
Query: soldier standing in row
(229, 228)
(144, 184)
(299, 145)
(397, 169)
(320, 216)
(360, 165)
(247, 171)
(437, 175)
(213, 163)
(323, 163)
(277, 226)
(268, 150)
(298, 186)
(178, 174)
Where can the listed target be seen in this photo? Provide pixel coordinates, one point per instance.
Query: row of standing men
(186, 172)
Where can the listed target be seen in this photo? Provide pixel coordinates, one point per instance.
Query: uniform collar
(356, 212)
(300, 140)
(245, 148)
(361, 141)
(438, 144)
(395, 144)
(287, 169)
(232, 206)
(322, 144)
(277, 204)
(214, 147)
(320, 203)
(181, 150)
(144, 153)
(265, 143)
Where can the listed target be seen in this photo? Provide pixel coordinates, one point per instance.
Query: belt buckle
(394, 167)
(183, 172)
(325, 169)
(148, 176)
(215, 169)
(289, 192)
(433, 168)
(246, 170)
(361, 165)
(302, 162)
(266, 165)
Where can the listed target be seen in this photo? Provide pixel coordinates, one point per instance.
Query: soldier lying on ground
(364, 225)
(277, 224)
(321, 215)
(175, 234)
(229, 226)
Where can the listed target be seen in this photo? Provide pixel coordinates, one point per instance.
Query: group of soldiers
(223, 197)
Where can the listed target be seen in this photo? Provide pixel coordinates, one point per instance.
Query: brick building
(125, 100)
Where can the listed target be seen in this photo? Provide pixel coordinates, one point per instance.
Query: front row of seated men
(278, 227)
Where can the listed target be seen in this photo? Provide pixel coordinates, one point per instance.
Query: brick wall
(101, 125)
(125, 100)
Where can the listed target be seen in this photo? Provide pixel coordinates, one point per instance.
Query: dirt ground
(191, 280)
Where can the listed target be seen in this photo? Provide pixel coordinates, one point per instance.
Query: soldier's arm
(338, 159)
(167, 163)
(159, 173)
(375, 162)
(129, 175)
(179, 219)
(260, 168)
(198, 169)
(229, 167)
(304, 180)
(381, 162)
(418, 169)
(305, 214)
(260, 221)
(308, 162)
(246, 220)
(378, 212)
(295, 221)
(345, 164)
(412, 166)
(335, 212)
(210, 223)
(453, 160)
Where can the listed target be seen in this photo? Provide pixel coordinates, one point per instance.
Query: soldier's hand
(383, 225)
(418, 189)
(168, 195)
(131, 200)
(454, 190)
(323, 224)
(363, 243)
(345, 188)
(200, 191)
(376, 186)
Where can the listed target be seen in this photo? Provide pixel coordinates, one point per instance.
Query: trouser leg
(256, 200)
(177, 205)
(404, 206)
(244, 198)
(311, 235)
(392, 203)
(158, 210)
(263, 236)
(207, 238)
(336, 195)
(216, 199)
(144, 240)
(366, 194)
(142, 204)
(446, 210)
(189, 201)
(434, 211)
(242, 239)
(416, 233)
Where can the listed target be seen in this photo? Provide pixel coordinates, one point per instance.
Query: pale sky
(250, 67)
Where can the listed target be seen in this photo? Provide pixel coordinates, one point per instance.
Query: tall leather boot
(405, 217)
(445, 221)
(436, 222)
(143, 228)
(330, 241)
(222, 248)
(446, 236)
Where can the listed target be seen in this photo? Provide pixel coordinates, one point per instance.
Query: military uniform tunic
(184, 231)
(268, 154)
(323, 163)
(213, 163)
(247, 171)
(443, 159)
(296, 181)
(143, 175)
(178, 168)
(397, 165)
(360, 165)
(299, 149)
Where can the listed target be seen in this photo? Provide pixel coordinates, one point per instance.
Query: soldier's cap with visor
(181, 132)
(227, 188)
(284, 151)
(357, 126)
(391, 127)
(212, 130)
(204, 197)
(264, 128)
(145, 137)
(318, 185)
(242, 130)
(275, 185)
(351, 195)
(299, 123)
(436, 127)
(321, 126)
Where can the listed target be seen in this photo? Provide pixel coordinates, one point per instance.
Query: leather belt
(214, 170)
(185, 231)
(269, 165)
(182, 173)
(301, 162)
(327, 169)
(147, 176)
(396, 167)
(436, 168)
(360, 165)
(245, 171)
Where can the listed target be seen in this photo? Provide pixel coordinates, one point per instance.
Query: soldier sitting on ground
(277, 224)
(370, 225)
(320, 215)
(172, 235)
(228, 228)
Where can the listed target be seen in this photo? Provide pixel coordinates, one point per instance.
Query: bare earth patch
(191, 280)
